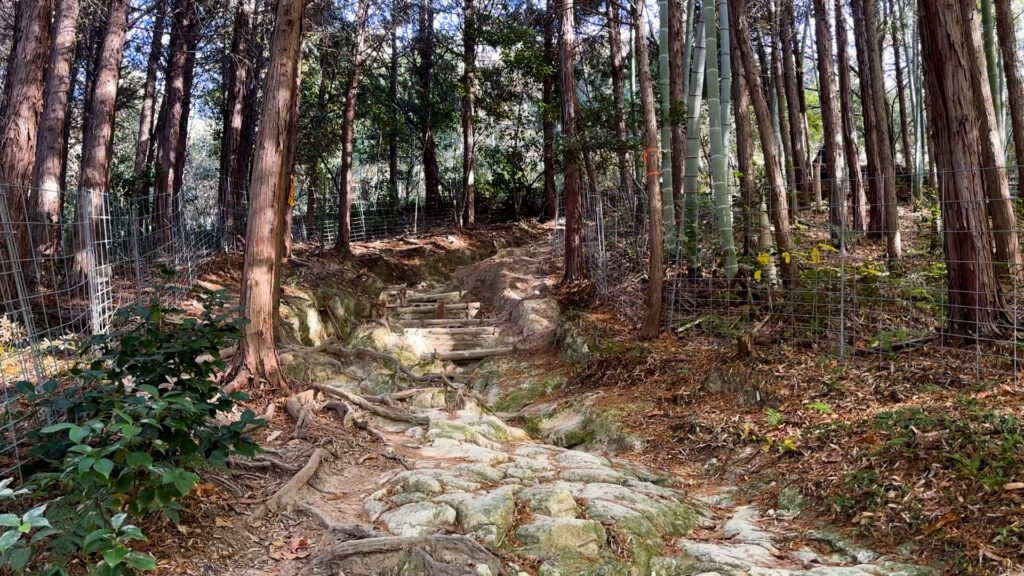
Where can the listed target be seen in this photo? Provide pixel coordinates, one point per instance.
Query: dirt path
(458, 490)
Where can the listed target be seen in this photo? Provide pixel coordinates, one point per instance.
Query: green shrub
(140, 420)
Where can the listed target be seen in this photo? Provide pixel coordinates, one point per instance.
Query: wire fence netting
(64, 276)
(849, 285)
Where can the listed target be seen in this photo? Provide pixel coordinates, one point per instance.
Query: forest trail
(536, 508)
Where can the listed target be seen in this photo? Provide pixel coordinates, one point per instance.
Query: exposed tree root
(365, 404)
(298, 407)
(286, 494)
(347, 414)
(427, 555)
(345, 531)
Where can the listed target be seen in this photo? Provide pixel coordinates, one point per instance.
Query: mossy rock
(547, 537)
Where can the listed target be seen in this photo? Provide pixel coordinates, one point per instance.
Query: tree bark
(745, 162)
(832, 124)
(776, 181)
(618, 96)
(1014, 84)
(901, 100)
(677, 72)
(575, 267)
(1000, 206)
(147, 113)
(548, 112)
(232, 181)
(858, 201)
(975, 306)
(97, 148)
(348, 130)
(426, 78)
(468, 111)
(393, 131)
(885, 169)
(794, 88)
(170, 137)
(872, 141)
(257, 353)
(46, 177)
(19, 127)
(656, 275)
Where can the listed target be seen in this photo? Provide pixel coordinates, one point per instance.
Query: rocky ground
(451, 487)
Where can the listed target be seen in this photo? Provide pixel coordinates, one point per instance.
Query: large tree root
(345, 531)
(382, 411)
(427, 555)
(286, 494)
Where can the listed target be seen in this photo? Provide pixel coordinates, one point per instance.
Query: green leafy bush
(141, 418)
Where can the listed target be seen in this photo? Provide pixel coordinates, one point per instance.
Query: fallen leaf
(1013, 486)
(296, 543)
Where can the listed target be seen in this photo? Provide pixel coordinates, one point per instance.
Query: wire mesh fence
(63, 278)
(942, 289)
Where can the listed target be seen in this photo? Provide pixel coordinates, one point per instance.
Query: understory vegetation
(137, 422)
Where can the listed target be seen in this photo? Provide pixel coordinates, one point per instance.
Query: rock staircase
(446, 327)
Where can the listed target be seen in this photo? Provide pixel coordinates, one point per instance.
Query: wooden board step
(444, 322)
(476, 354)
(445, 296)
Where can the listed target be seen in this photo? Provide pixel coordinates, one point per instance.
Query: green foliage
(141, 419)
(775, 418)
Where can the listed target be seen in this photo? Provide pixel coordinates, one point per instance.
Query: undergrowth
(137, 424)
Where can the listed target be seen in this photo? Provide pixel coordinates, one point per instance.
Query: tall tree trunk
(287, 190)
(1000, 206)
(232, 181)
(794, 88)
(147, 113)
(833, 125)
(257, 353)
(97, 148)
(254, 97)
(749, 190)
(975, 307)
(858, 200)
(872, 141)
(468, 111)
(575, 266)
(1014, 85)
(656, 275)
(393, 130)
(348, 130)
(169, 138)
(901, 100)
(885, 170)
(677, 71)
(618, 88)
(19, 127)
(192, 41)
(46, 176)
(426, 77)
(548, 112)
(776, 182)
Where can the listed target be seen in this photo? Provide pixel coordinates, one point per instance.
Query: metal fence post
(136, 252)
(95, 312)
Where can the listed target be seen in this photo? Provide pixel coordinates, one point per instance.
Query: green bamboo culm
(668, 210)
(991, 61)
(723, 201)
(726, 79)
(688, 45)
(690, 182)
